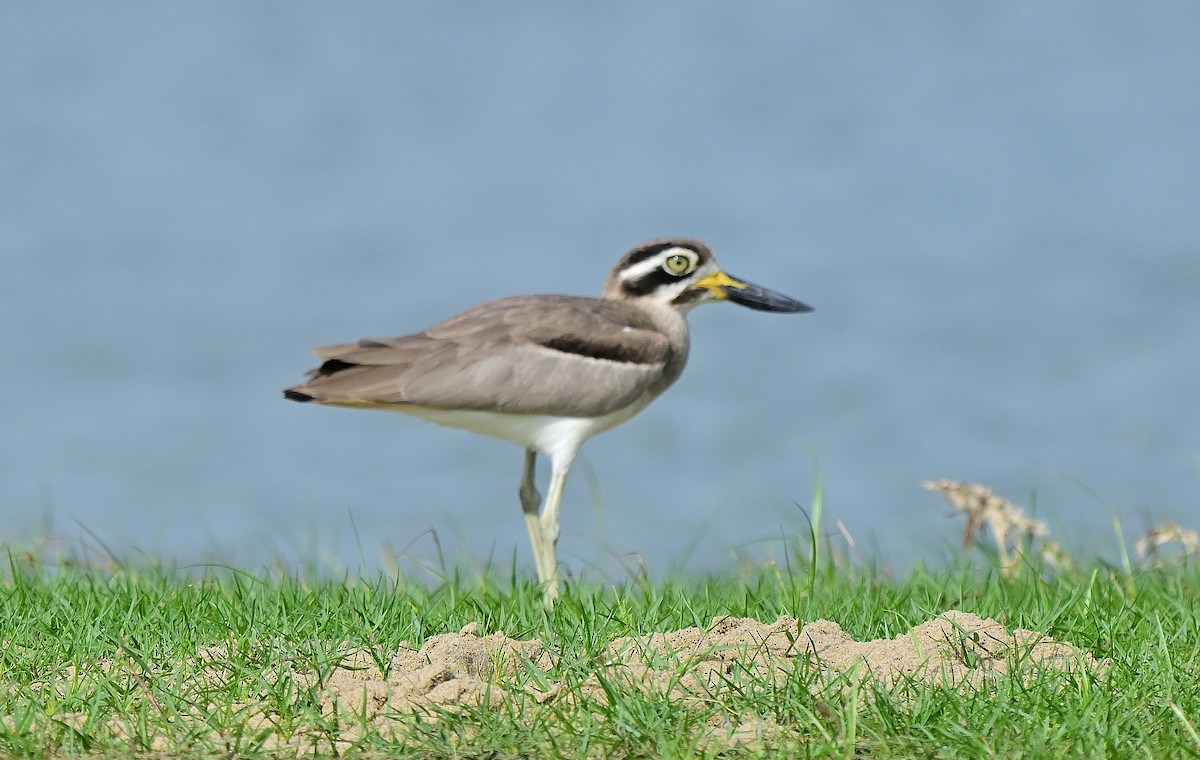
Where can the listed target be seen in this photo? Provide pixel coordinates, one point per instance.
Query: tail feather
(294, 395)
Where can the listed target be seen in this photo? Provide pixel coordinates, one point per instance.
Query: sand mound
(468, 669)
(952, 648)
(365, 692)
(450, 669)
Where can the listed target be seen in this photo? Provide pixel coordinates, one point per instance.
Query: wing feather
(559, 355)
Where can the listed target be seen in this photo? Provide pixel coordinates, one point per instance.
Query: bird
(546, 372)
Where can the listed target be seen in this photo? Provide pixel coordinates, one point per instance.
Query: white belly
(545, 433)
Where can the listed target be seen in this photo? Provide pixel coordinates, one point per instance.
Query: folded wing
(555, 355)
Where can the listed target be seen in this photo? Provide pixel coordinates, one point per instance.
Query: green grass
(104, 663)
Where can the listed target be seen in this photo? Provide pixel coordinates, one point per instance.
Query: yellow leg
(549, 529)
(530, 501)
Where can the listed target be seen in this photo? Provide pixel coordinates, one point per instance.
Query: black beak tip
(760, 299)
(795, 307)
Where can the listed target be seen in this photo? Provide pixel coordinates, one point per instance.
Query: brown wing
(560, 355)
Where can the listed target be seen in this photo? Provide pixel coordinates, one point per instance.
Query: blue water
(995, 210)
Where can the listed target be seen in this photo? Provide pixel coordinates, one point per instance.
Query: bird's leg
(530, 501)
(549, 526)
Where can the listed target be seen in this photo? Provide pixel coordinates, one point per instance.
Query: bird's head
(683, 273)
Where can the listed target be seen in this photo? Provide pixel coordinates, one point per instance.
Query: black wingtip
(292, 394)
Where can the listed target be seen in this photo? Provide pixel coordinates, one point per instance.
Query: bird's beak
(723, 286)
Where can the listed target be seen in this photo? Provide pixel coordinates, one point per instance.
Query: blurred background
(994, 209)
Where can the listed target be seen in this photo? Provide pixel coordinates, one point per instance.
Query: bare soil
(692, 666)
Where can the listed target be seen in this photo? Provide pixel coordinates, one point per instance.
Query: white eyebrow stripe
(643, 268)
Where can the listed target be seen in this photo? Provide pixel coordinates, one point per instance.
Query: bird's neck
(672, 323)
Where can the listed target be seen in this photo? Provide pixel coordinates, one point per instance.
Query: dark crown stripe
(638, 255)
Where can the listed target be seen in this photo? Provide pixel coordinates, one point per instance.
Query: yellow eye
(677, 264)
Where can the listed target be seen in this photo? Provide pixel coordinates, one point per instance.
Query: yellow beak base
(717, 283)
